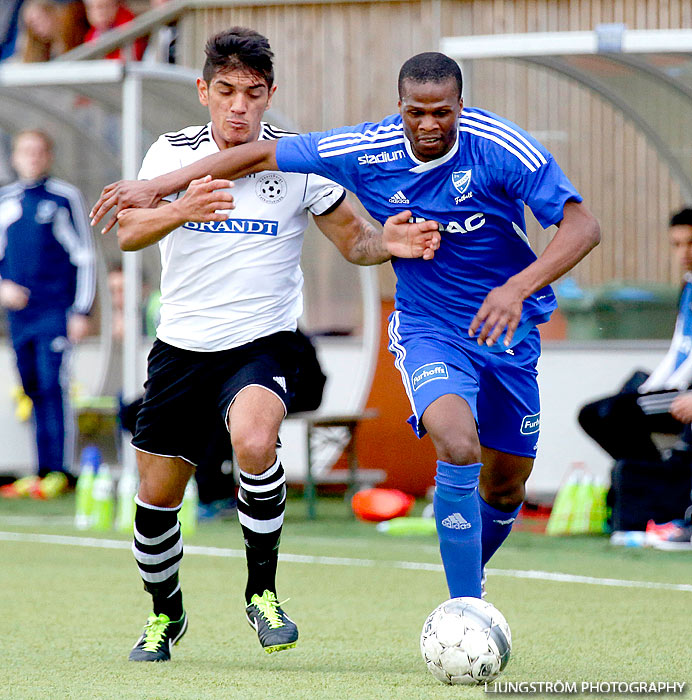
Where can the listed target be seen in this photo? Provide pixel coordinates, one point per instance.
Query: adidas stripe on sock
(261, 507)
(158, 550)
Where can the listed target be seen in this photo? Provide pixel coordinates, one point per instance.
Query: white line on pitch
(346, 561)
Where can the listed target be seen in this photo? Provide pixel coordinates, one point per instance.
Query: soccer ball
(466, 641)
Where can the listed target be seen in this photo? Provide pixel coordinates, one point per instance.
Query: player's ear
(203, 92)
(272, 90)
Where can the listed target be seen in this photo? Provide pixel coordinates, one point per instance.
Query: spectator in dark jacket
(47, 286)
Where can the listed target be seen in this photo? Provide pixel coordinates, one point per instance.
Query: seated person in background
(623, 424)
(104, 15)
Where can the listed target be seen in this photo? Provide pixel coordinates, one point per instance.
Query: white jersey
(224, 284)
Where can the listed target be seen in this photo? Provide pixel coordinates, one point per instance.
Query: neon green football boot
(275, 629)
(159, 636)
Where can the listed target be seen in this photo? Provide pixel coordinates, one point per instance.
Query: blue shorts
(500, 387)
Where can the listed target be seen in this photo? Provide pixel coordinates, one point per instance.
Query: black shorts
(188, 393)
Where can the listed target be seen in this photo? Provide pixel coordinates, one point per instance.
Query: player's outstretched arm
(230, 164)
(361, 243)
(577, 234)
(204, 200)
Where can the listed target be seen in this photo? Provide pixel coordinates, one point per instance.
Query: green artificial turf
(71, 613)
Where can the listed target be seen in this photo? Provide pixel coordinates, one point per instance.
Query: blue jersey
(46, 246)
(476, 192)
(683, 329)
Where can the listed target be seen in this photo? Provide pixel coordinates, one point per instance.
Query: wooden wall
(337, 63)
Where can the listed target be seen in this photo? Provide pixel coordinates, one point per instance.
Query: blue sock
(458, 520)
(497, 524)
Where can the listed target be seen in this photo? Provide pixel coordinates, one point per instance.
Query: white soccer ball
(466, 641)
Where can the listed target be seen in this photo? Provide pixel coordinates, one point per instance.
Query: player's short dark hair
(682, 217)
(242, 48)
(430, 67)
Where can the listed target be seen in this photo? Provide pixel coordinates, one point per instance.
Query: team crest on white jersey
(461, 180)
(271, 188)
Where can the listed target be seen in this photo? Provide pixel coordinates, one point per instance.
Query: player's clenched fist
(404, 238)
(206, 200)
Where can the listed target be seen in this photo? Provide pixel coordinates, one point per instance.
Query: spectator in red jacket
(104, 15)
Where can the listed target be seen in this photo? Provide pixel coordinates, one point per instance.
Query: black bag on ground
(643, 491)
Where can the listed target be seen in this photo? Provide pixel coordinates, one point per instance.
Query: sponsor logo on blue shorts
(531, 424)
(426, 373)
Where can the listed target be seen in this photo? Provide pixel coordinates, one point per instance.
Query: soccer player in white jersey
(464, 331)
(227, 348)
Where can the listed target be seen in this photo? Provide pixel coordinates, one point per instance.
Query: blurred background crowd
(39, 30)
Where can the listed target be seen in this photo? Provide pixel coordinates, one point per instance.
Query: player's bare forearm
(230, 164)
(140, 228)
(577, 234)
(204, 200)
(356, 239)
(368, 248)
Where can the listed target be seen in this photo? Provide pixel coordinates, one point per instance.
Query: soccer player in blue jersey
(464, 331)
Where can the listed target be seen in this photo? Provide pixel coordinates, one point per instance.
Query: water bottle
(188, 511)
(127, 488)
(599, 512)
(563, 508)
(90, 460)
(103, 502)
(408, 526)
(582, 505)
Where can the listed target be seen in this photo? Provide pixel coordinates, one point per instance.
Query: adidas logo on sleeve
(456, 521)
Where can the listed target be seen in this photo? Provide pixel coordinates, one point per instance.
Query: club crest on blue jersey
(259, 227)
(461, 179)
(531, 424)
(427, 373)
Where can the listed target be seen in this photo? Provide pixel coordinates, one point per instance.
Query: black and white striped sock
(261, 506)
(158, 549)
